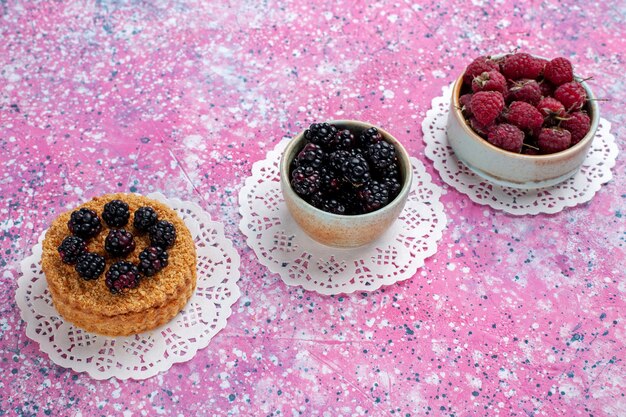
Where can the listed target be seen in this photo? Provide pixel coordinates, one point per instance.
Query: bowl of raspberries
(345, 182)
(522, 121)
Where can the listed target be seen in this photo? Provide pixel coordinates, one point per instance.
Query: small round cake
(119, 264)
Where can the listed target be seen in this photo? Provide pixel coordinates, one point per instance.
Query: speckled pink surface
(514, 316)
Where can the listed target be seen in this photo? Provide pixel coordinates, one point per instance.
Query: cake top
(107, 284)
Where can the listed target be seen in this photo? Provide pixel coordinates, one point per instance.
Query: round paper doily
(595, 171)
(285, 249)
(144, 355)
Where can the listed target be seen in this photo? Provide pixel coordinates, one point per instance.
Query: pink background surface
(514, 316)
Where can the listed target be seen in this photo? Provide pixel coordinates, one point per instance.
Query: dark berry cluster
(345, 172)
(122, 275)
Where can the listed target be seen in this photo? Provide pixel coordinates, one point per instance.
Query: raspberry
(311, 155)
(477, 67)
(572, 95)
(144, 218)
(90, 266)
(373, 195)
(464, 103)
(115, 213)
(547, 89)
(381, 154)
(355, 169)
(559, 71)
(507, 137)
(489, 81)
(84, 223)
(321, 134)
(162, 234)
(119, 242)
(121, 277)
(369, 136)
(578, 124)
(553, 140)
(152, 260)
(342, 140)
(486, 106)
(305, 180)
(478, 127)
(521, 65)
(71, 249)
(551, 108)
(525, 90)
(524, 116)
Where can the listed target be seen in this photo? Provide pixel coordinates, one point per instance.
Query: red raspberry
(572, 95)
(478, 127)
(521, 65)
(578, 124)
(554, 139)
(525, 90)
(559, 71)
(464, 103)
(551, 107)
(547, 89)
(489, 81)
(507, 137)
(486, 106)
(477, 67)
(524, 116)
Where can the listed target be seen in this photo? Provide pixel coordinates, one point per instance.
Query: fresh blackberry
(343, 140)
(381, 154)
(330, 180)
(311, 155)
(145, 218)
(328, 203)
(115, 213)
(84, 223)
(369, 136)
(393, 185)
(71, 249)
(152, 260)
(355, 169)
(90, 266)
(321, 134)
(373, 195)
(119, 242)
(162, 234)
(305, 180)
(337, 158)
(121, 277)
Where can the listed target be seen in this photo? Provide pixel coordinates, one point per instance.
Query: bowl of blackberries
(522, 121)
(345, 182)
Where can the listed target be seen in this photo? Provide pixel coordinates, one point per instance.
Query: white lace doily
(144, 355)
(595, 171)
(287, 250)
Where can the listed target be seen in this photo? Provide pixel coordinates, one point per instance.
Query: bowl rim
(401, 152)
(594, 116)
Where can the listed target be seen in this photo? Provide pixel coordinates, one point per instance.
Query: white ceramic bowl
(343, 230)
(511, 169)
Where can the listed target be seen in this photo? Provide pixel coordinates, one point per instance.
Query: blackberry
(90, 266)
(71, 249)
(115, 213)
(119, 242)
(393, 185)
(152, 260)
(330, 180)
(305, 180)
(381, 154)
(328, 203)
(162, 234)
(337, 158)
(373, 196)
(343, 140)
(321, 134)
(355, 169)
(121, 277)
(145, 218)
(84, 223)
(311, 155)
(369, 136)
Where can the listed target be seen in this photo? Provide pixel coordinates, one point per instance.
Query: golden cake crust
(90, 304)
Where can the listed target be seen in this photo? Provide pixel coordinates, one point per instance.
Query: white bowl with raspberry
(343, 206)
(522, 121)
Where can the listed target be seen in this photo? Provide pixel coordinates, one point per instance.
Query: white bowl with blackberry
(345, 181)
